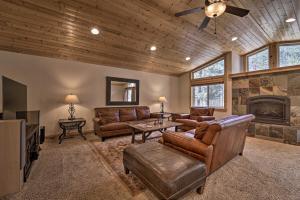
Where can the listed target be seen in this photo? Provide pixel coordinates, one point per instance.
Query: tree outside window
(289, 55)
(258, 61)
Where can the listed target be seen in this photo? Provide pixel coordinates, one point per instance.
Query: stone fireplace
(275, 101)
(270, 109)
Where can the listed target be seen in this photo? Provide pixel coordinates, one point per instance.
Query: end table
(71, 124)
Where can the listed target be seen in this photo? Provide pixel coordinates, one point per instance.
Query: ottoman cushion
(165, 170)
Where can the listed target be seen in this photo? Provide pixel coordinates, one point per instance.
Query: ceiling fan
(213, 9)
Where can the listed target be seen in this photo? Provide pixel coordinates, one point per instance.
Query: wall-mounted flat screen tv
(14, 98)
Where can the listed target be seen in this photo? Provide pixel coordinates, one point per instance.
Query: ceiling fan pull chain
(215, 26)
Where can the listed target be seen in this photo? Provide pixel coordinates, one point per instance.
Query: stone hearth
(285, 85)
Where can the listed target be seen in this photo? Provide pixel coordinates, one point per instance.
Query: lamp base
(71, 111)
(162, 107)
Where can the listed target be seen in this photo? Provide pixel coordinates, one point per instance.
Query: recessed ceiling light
(234, 38)
(289, 20)
(153, 48)
(188, 58)
(95, 31)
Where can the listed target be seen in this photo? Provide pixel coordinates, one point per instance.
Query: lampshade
(162, 99)
(71, 98)
(215, 9)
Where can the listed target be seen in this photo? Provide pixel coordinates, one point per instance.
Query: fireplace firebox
(270, 109)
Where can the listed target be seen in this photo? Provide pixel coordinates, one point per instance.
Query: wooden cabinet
(12, 155)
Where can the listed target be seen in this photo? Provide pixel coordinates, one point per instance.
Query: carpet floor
(79, 170)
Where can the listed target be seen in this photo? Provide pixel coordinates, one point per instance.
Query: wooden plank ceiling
(61, 29)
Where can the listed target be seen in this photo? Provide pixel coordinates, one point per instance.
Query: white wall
(184, 93)
(49, 80)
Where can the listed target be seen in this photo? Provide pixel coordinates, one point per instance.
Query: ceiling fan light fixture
(215, 9)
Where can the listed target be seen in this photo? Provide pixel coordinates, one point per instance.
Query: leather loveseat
(112, 121)
(191, 121)
(213, 142)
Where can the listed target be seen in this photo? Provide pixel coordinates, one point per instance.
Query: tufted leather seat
(167, 172)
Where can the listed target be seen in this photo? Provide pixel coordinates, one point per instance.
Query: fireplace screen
(270, 109)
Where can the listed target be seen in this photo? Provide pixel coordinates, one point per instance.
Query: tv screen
(14, 96)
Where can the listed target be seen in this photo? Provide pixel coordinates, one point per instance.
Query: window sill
(268, 71)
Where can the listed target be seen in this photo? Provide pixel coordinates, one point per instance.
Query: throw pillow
(201, 130)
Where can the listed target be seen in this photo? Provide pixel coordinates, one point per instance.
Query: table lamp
(162, 100)
(71, 99)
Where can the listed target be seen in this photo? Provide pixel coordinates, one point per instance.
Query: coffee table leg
(133, 136)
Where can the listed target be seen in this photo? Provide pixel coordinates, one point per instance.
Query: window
(215, 69)
(258, 60)
(289, 55)
(208, 96)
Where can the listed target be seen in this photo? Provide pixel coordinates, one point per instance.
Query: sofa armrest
(205, 118)
(180, 116)
(97, 123)
(155, 115)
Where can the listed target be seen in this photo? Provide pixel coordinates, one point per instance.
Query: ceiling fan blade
(237, 11)
(207, 3)
(186, 12)
(204, 23)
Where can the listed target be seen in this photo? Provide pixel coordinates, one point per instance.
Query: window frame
(207, 85)
(208, 65)
(292, 43)
(213, 79)
(267, 47)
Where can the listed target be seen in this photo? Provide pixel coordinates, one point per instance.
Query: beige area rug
(268, 170)
(81, 170)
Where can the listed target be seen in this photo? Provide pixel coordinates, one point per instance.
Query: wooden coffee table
(150, 126)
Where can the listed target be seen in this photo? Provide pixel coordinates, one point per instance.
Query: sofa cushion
(188, 122)
(185, 141)
(142, 112)
(114, 126)
(127, 114)
(108, 115)
(201, 130)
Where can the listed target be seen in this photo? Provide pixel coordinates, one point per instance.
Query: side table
(163, 115)
(71, 124)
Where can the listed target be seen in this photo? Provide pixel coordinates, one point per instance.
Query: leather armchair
(214, 142)
(191, 121)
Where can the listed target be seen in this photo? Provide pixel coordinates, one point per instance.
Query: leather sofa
(214, 142)
(191, 121)
(112, 121)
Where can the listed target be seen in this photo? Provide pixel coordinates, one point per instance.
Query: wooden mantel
(268, 71)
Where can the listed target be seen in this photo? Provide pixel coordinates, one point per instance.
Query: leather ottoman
(169, 173)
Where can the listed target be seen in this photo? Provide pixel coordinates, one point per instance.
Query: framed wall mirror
(122, 91)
